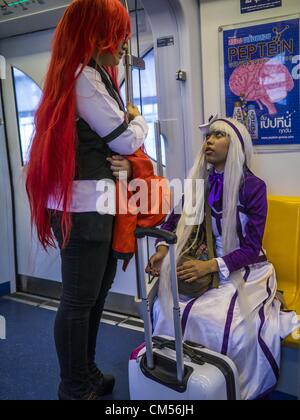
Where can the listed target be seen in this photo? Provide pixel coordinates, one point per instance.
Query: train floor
(28, 363)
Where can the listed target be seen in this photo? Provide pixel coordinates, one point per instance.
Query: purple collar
(215, 197)
(235, 130)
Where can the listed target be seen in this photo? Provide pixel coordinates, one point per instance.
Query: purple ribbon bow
(216, 188)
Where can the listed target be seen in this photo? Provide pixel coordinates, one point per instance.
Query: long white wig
(239, 156)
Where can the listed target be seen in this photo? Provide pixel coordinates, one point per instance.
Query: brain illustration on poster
(262, 72)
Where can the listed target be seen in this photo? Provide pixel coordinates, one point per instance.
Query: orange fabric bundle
(144, 202)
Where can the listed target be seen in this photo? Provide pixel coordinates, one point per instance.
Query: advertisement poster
(262, 72)
(248, 6)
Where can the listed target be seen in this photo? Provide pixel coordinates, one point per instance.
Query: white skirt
(215, 321)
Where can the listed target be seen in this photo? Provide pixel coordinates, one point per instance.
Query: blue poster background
(262, 72)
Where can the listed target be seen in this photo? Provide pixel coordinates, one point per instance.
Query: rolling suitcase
(168, 369)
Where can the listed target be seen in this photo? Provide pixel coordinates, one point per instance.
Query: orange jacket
(145, 207)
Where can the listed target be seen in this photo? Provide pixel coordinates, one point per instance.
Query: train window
(27, 96)
(144, 82)
(145, 98)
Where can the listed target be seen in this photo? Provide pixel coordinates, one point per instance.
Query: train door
(158, 97)
(26, 62)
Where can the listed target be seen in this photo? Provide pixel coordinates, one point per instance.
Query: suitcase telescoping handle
(167, 236)
(171, 240)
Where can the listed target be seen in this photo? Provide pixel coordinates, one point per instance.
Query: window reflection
(28, 95)
(148, 103)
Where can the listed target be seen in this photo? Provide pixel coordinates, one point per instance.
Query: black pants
(88, 271)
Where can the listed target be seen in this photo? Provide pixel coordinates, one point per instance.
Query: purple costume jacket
(216, 319)
(252, 205)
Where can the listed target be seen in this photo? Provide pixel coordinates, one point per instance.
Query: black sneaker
(102, 384)
(90, 395)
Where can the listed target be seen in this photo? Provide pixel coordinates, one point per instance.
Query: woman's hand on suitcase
(156, 261)
(194, 270)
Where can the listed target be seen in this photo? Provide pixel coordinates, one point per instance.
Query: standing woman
(81, 131)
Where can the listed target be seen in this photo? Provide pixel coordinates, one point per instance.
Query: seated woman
(242, 318)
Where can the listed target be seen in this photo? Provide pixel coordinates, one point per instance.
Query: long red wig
(87, 25)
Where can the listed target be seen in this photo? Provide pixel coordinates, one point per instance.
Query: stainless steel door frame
(7, 250)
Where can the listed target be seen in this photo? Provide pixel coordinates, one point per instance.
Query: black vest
(91, 164)
(92, 150)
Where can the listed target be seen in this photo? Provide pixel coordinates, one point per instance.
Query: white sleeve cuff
(223, 269)
(131, 139)
(162, 244)
(141, 123)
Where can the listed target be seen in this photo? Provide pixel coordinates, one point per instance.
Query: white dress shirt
(102, 113)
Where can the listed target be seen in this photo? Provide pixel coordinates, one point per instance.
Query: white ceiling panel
(24, 16)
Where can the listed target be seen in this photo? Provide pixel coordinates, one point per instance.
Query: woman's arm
(98, 109)
(170, 224)
(162, 248)
(251, 244)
